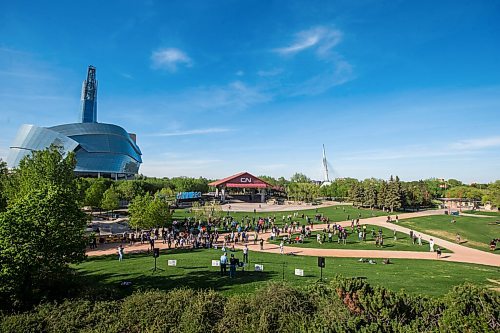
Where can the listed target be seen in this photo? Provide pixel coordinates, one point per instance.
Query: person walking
(262, 243)
(395, 235)
(438, 252)
(120, 253)
(245, 254)
(431, 245)
(419, 239)
(281, 248)
(223, 264)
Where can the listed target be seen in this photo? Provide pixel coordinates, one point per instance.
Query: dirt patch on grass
(452, 238)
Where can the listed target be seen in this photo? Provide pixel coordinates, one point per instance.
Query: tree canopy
(42, 229)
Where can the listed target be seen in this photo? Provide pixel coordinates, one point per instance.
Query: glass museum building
(102, 150)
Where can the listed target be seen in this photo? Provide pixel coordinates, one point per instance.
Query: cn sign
(245, 179)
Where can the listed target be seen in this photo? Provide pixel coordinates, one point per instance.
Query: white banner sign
(259, 268)
(172, 262)
(215, 263)
(299, 272)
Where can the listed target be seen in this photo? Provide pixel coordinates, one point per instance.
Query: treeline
(344, 305)
(392, 194)
(107, 194)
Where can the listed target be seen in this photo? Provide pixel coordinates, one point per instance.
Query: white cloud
(271, 72)
(240, 73)
(322, 38)
(234, 96)
(340, 73)
(479, 143)
(170, 58)
(199, 131)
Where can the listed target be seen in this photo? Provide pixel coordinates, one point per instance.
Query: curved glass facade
(100, 148)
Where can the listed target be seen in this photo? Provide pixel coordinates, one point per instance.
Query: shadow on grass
(181, 276)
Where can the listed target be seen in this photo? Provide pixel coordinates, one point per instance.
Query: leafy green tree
(454, 183)
(494, 193)
(158, 212)
(465, 192)
(95, 192)
(299, 178)
(149, 211)
(186, 184)
(42, 230)
(129, 189)
(269, 180)
(137, 210)
(110, 199)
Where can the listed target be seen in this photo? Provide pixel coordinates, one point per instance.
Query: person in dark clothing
(232, 266)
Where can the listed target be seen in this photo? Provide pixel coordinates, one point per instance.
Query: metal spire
(325, 166)
(89, 97)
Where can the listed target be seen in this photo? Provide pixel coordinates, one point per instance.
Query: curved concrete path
(460, 252)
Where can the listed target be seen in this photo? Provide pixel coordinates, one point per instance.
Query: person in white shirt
(245, 254)
(120, 253)
(223, 264)
(431, 245)
(281, 248)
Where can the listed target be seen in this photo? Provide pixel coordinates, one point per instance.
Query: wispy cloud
(340, 73)
(478, 143)
(240, 73)
(271, 72)
(235, 96)
(170, 58)
(199, 131)
(323, 39)
(460, 148)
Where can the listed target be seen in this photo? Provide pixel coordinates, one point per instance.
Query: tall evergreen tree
(393, 198)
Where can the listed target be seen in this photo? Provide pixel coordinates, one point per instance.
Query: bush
(344, 305)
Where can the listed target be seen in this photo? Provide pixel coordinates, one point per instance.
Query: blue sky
(216, 87)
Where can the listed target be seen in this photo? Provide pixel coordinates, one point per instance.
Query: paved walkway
(460, 252)
(264, 207)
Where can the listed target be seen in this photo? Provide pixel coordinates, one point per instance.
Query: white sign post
(172, 262)
(299, 272)
(259, 268)
(215, 263)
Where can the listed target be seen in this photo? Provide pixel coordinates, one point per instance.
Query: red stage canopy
(241, 180)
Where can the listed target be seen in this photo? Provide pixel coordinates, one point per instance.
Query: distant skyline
(214, 88)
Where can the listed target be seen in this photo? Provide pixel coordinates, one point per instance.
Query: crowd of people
(227, 232)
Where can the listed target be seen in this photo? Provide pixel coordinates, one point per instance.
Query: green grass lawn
(475, 232)
(403, 242)
(334, 213)
(194, 270)
(475, 212)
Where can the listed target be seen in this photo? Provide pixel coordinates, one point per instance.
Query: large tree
(42, 230)
(148, 211)
(95, 192)
(110, 199)
(394, 194)
(299, 178)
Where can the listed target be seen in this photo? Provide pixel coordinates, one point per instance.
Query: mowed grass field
(475, 232)
(194, 270)
(334, 213)
(475, 212)
(402, 243)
